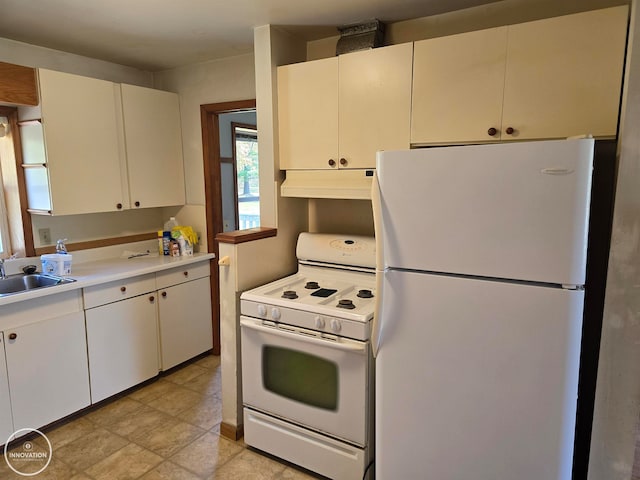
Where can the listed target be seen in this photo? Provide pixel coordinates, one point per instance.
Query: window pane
(299, 376)
(248, 180)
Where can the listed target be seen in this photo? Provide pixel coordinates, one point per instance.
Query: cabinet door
(374, 98)
(458, 83)
(185, 321)
(80, 122)
(564, 75)
(6, 420)
(308, 114)
(122, 340)
(154, 147)
(47, 367)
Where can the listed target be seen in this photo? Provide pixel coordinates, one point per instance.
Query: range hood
(354, 184)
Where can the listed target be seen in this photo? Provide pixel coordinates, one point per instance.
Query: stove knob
(262, 310)
(319, 321)
(275, 313)
(335, 325)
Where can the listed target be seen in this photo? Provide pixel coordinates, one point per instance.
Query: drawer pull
(332, 162)
(13, 336)
(510, 130)
(492, 132)
(186, 274)
(152, 298)
(123, 289)
(343, 161)
(164, 294)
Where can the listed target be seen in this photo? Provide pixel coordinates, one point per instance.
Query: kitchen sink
(22, 283)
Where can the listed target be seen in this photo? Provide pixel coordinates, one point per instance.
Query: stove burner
(290, 294)
(364, 294)
(312, 285)
(346, 303)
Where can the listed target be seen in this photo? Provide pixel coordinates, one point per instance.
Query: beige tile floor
(165, 430)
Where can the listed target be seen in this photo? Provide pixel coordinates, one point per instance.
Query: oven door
(295, 374)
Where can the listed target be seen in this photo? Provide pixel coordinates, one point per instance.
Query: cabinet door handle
(509, 131)
(123, 289)
(13, 336)
(119, 206)
(152, 298)
(164, 294)
(492, 132)
(332, 162)
(137, 204)
(343, 161)
(186, 274)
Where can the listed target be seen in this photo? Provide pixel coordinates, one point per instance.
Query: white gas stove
(333, 291)
(307, 368)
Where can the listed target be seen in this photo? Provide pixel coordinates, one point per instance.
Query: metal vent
(361, 36)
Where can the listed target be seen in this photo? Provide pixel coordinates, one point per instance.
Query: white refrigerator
(481, 271)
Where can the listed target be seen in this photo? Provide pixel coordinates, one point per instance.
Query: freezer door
(516, 210)
(476, 379)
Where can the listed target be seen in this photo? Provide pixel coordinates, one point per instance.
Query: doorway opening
(221, 181)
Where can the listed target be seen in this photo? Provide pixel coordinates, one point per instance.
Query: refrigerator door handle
(376, 326)
(376, 204)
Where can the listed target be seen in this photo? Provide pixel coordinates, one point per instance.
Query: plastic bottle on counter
(170, 224)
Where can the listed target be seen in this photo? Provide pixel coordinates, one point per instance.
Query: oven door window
(299, 376)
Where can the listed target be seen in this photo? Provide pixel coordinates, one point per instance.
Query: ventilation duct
(361, 36)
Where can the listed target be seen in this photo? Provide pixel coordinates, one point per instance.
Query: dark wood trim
(231, 432)
(104, 242)
(213, 198)
(248, 235)
(27, 228)
(18, 84)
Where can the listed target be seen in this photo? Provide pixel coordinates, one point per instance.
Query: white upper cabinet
(96, 146)
(458, 84)
(308, 114)
(337, 112)
(551, 78)
(71, 146)
(153, 143)
(564, 75)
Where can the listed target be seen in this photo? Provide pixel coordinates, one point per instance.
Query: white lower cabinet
(6, 420)
(122, 344)
(47, 370)
(185, 321)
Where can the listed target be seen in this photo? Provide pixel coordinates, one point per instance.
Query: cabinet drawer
(180, 275)
(118, 290)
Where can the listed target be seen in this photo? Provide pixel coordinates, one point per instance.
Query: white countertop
(109, 270)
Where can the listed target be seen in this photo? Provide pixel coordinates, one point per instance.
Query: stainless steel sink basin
(22, 283)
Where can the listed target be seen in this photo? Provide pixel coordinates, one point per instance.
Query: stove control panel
(327, 324)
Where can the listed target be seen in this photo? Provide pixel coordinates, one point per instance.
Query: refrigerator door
(515, 211)
(476, 379)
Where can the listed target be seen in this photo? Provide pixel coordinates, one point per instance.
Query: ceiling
(157, 35)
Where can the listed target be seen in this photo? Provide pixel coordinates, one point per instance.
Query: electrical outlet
(45, 236)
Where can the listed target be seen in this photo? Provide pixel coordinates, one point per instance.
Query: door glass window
(301, 377)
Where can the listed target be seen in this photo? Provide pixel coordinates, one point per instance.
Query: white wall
(617, 406)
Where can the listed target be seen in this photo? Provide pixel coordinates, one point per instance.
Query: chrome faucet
(2, 274)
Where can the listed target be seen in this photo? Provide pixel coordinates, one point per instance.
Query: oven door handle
(347, 346)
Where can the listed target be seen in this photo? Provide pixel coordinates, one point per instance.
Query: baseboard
(231, 431)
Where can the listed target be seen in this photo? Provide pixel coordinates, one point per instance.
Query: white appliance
(482, 253)
(307, 369)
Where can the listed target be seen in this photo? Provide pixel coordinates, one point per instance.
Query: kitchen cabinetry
(17, 85)
(550, 78)
(121, 335)
(46, 359)
(337, 112)
(70, 146)
(184, 313)
(97, 146)
(6, 419)
(153, 143)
